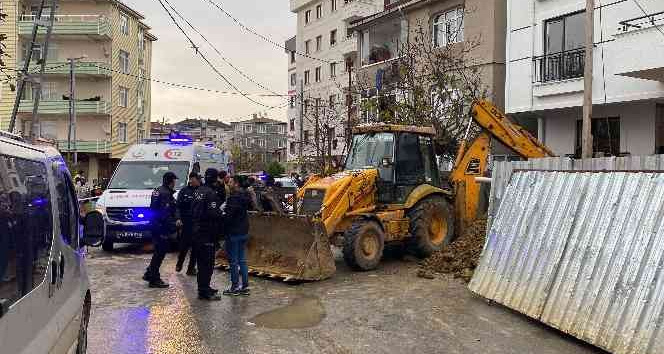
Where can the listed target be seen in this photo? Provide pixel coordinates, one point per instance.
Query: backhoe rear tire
(431, 226)
(363, 246)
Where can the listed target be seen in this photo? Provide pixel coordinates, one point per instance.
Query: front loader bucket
(290, 247)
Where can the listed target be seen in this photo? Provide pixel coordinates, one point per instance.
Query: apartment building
(112, 91)
(262, 138)
(546, 55)
(293, 111)
(448, 24)
(324, 49)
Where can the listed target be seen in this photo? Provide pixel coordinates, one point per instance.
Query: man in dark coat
(185, 207)
(206, 219)
(164, 221)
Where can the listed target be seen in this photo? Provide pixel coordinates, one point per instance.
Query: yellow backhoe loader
(389, 192)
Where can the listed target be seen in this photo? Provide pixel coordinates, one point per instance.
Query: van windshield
(148, 174)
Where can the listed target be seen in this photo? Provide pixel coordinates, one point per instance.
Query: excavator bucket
(288, 247)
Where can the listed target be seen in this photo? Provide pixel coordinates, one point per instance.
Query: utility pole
(586, 130)
(349, 103)
(71, 137)
(317, 133)
(300, 154)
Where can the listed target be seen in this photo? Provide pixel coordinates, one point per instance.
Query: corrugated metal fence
(581, 251)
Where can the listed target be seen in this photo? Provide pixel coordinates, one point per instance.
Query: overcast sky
(173, 59)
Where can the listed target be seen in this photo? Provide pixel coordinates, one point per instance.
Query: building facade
(200, 130)
(293, 112)
(546, 54)
(324, 50)
(447, 24)
(112, 91)
(261, 140)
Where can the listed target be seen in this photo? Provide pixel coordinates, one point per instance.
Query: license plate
(129, 234)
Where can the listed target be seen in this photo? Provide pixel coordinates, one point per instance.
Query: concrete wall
(637, 127)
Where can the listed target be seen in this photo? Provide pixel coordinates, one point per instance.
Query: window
(307, 46)
(68, 206)
(409, 161)
(141, 39)
(306, 77)
(306, 106)
(333, 101)
(448, 27)
(333, 69)
(140, 102)
(292, 57)
(123, 93)
(606, 136)
(293, 79)
(318, 74)
(261, 128)
(333, 38)
(141, 73)
(124, 24)
(124, 61)
(448, 105)
(261, 142)
(293, 148)
(564, 53)
(26, 229)
(292, 101)
(319, 43)
(307, 17)
(122, 132)
(319, 11)
(281, 143)
(306, 136)
(48, 92)
(49, 129)
(141, 135)
(292, 124)
(248, 128)
(333, 5)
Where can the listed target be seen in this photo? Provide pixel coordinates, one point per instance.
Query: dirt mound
(459, 258)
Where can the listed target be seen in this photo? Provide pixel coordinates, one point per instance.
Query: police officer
(164, 223)
(206, 215)
(185, 205)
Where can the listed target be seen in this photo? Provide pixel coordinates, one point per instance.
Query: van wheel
(82, 346)
(107, 246)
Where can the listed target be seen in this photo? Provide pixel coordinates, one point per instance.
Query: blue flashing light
(176, 138)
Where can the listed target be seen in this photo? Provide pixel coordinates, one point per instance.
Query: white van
(125, 204)
(44, 289)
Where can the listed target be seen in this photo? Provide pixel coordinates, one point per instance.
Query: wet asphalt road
(389, 310)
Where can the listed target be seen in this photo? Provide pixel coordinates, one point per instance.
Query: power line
(218, 52)
(205, 59)
(263, 37)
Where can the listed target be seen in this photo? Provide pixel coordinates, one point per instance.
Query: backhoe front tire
(364, 243)
(431, 226)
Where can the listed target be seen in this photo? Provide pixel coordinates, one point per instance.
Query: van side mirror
(93, 229)
(386, 162)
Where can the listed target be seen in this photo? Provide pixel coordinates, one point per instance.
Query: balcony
(640, 49)
(62, 107)
(560, 66)
(70, 25)
(61, 68)
(86, 146)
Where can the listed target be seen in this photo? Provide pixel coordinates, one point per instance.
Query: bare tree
(324, 121)
(425, 85)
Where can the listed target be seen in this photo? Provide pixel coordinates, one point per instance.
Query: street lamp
(72, 106)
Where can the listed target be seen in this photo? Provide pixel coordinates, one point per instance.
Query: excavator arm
(472, 160)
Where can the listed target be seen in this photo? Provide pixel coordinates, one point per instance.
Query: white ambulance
(125, 204)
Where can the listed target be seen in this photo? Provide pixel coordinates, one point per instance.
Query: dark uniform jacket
(186, 203)
(163, 207)
(236, 220)
(206, 214)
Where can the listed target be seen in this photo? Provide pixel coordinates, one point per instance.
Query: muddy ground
(389, 310)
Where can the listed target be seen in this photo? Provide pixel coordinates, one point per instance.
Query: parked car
(45, 295)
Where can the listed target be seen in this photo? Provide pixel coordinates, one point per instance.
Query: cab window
(409, 160)
(26, 228)
(67, 206)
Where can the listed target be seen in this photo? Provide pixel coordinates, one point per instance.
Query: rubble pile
(460, 258)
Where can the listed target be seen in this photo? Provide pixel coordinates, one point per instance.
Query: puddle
(301, 313)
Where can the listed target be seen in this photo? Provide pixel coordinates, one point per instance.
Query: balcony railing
(560, 66)
(89, 146)
(62, 107)
(655, 19)
(56, 67)
(68, 25)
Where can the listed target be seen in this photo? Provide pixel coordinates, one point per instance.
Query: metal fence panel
(581, 251)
